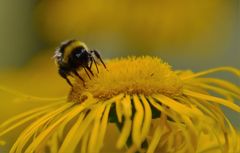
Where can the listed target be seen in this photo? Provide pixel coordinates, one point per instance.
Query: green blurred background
(188, 34)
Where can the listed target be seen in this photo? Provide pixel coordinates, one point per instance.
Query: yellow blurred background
(188, 34)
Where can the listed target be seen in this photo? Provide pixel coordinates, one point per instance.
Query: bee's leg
(95, 63)
(91, 61)
(94, 52)
(88, 68)
(64, 75)
(87, 73)
(68, 81)
(76, 73)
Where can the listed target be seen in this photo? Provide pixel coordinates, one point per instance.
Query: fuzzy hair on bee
(73, 55)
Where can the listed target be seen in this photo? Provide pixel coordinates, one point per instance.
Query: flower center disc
(133, 75)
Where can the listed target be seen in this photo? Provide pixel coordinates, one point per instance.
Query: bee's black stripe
(63, 47)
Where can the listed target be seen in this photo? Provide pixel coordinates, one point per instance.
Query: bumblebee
(74, 55)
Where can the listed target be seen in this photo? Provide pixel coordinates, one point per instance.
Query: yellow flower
(155, 109)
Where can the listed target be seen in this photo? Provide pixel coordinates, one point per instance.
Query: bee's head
(67, 49)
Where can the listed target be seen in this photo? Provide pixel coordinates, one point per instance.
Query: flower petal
(156, 136)
(119, 111)
(95, 131)
(222, 83)
(137, 122)
(103, 127)
(176, 106)
(127, 124)
(46, 133)
(67, 140)
(29, 132)
(218, 90)
(194, 75)
(147, 118)
(213, 99)
(21, 119)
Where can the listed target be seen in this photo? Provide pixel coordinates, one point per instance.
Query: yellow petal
(176, 106)
(125, 132)
(71, 133)
(147, 118)
(218, 90)
(29, 131)
(119, 111)
(27, 113)
(103, 127)
(222, 83)
(80, 132)
(127, 124)
(213, 99)
(95, 131)
(85, 139)
(46, 133)
(137, 122)
(155, 140)
(127, 106)
(194, 75)
(22, 121)
(29, 97)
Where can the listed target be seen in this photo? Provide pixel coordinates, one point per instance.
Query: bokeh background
(188, 34)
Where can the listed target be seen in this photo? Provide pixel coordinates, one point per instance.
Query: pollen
(132, 75)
